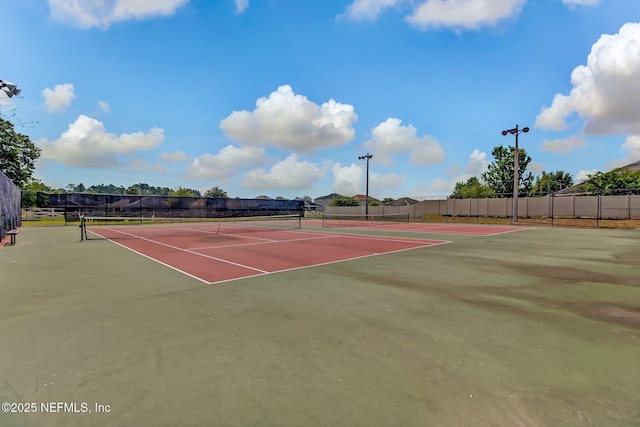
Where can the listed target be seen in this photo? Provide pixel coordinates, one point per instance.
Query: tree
(216, 192)
(499, 175)
(29, 192)
(185, 192)
(143, 189)
(472, 189)
(107, 189)
(17, 154)
(617, 181)
(134, 190)
(344, 201)
(551, 182)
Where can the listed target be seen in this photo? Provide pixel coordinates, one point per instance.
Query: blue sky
(280, 97)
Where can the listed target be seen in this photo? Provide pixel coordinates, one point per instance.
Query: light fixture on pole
(10, 89)
(516, 168)
(366, 206)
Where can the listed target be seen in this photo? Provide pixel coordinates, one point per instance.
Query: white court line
(183, 250)
(325, 235)
(441, 228)
(264, 272)
(511, 231)
(441, 242)
(159, 262)
(261, 243)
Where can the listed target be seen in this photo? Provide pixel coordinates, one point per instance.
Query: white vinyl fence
(593, 207)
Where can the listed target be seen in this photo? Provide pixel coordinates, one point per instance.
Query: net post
(83, 228)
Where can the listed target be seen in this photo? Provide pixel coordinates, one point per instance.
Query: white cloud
(103, 13)
(58, 98)
(632, 146)
(175, 157)
(289, 174)
(477, 165)
(104, 106)
(632, 143)
(605, 92)
(466, 14)
(571, 3)
(563, 146)
(291, 122)
(439, 188)
(456, 14)
(384, 185)
(141, 165)
(583, 175)
(229, 162)
(87, 144)
(348, 180)
(241, 5)
(368, 9)
(535, 168)
(390, 138)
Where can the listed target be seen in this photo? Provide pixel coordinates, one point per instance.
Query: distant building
(362, 198)
(310, 206)
(635, 166)
(579, 187)
(325, 201)
(403, 201)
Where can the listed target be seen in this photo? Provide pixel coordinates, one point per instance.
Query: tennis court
(538, 327)
(219, 251)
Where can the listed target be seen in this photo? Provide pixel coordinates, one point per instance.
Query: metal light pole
(516, 168)
(366, 206)
(10, 89)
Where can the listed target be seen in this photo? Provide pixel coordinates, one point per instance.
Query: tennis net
(96, 228)
(355, 220)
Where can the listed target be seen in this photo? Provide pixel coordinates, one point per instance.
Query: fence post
(506, 208)
(65, 208)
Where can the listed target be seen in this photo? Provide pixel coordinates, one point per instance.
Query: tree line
(140, 189)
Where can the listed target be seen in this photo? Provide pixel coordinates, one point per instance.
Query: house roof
(635, 166)
(403, 201)
(329, 196)
(362, 197)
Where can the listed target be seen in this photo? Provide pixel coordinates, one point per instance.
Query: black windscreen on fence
(122, 205)
(9, 205)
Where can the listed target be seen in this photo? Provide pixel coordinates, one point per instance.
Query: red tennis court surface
(214, 257)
